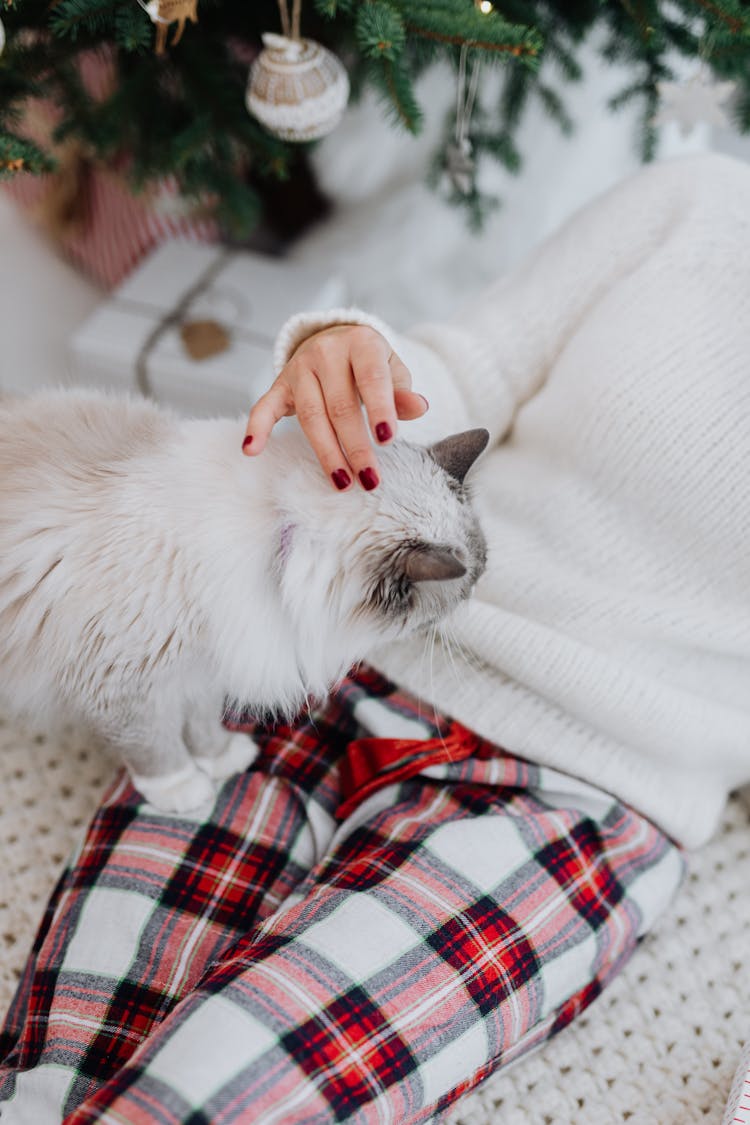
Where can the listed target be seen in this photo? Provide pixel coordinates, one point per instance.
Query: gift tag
(195, 326)
(204, 338)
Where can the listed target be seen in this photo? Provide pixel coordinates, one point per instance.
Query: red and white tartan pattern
(272, 964)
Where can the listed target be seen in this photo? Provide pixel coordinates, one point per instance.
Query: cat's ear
(432, 563)
(457, 453)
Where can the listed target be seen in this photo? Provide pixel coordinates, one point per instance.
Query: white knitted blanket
(659, 1047)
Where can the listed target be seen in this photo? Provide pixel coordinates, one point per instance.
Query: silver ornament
(297, 89)
(460, 165)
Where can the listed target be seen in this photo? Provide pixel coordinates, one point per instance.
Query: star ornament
(689, 103)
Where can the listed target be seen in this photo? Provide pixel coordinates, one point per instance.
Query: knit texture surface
(607, 637)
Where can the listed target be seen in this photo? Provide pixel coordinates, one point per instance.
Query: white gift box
(133, 341)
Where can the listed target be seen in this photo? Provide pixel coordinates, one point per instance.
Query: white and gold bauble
(297, 89)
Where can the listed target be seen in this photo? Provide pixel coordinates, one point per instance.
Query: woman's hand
(324, 383)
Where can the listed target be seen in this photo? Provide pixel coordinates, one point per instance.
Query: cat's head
(383, 563)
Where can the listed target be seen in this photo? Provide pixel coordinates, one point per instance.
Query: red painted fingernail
(341, 479)
(383, 431)
(368, 479)
(247, 442)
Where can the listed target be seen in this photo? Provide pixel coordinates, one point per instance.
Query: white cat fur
(148, 571)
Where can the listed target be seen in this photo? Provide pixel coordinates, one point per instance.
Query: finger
(275, 404)
(410, 405)
(374, 379)
(400, 373)
(313, 418)
(344, 411)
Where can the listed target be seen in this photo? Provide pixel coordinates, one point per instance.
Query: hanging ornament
(164, 12)
(2, 37)
(460, 165)
(689, 103)
(297, 89)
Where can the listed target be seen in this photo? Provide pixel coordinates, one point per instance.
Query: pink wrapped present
(89, 208)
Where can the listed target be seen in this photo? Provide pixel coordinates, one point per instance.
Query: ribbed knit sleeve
(609, 636)
(433, 374)
(497, 351)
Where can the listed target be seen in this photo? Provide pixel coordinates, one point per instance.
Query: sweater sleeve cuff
(298, 328)
(457, 372)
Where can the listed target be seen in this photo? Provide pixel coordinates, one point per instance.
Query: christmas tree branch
(183, 115)
(18, 154)
(734, 23)
(69, 16)
(516, 49)
(397, 90)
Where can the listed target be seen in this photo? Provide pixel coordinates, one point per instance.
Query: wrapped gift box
(194, 326)
(88, 206)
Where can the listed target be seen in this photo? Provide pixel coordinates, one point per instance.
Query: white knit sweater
(610, 635)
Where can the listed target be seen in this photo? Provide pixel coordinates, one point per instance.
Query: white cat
(149, 572)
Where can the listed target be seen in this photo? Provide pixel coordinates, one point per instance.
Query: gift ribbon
(175, 317)
(370, 764)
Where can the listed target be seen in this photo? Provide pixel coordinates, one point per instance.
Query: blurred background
(178, 178)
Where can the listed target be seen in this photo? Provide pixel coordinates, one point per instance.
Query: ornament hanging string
(459, 161)
(465, 98)
(291, 26)
(176, 317)
(688, 102)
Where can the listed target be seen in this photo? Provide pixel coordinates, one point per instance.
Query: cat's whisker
(436, 635)
(425, 648)
(435, 718)
(467, 656)
(448, 640)
(431, 649)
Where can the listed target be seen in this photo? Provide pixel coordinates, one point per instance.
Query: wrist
(303, 326)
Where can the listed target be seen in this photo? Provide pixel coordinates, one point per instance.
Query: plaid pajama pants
(359, 931)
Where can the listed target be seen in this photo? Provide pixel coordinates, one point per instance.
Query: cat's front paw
(182, 791)
(239, 752)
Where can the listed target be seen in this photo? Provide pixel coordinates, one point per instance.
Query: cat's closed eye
(431, 548)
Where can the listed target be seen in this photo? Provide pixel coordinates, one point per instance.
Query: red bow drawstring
(371, 763)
